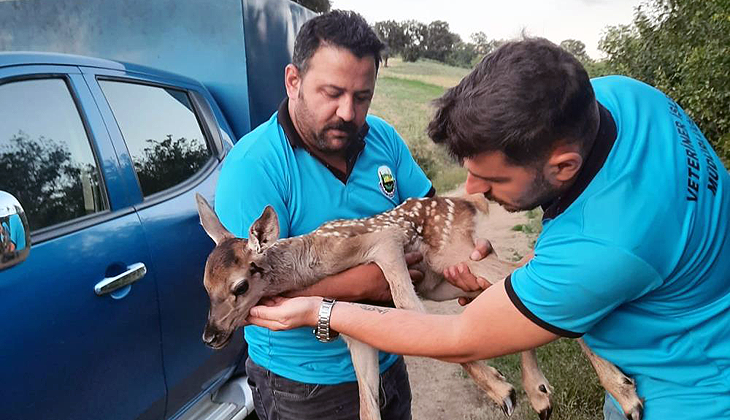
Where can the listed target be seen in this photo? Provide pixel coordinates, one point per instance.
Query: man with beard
(634, 254)
(321, 157)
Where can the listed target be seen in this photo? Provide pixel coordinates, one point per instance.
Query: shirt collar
(295, 140)
(602, 145)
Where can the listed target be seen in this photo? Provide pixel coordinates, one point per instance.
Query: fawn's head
(234, 272)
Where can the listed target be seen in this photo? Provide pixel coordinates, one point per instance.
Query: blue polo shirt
(14, 226)
(636, 256)
(272, 166)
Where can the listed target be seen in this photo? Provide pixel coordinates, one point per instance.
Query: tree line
(680, 46)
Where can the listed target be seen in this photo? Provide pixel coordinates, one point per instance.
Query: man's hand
(460, 276)
(412, 259)
(280, 313)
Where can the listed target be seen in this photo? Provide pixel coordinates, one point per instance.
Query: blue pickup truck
(101, 252)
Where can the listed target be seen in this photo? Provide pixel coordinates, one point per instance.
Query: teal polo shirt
(272, 166)
(14, 226)
(636, 256)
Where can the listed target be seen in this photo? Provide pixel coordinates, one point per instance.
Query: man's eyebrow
(489, 178)
(340, 89)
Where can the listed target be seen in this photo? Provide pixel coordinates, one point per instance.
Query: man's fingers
(413, 258)
(416, 275)
(483, 283)
(461, 277)
(482, 248)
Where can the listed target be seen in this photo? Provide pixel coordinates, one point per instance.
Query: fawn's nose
(210, 335)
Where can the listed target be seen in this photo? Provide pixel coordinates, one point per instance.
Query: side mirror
(14, 232)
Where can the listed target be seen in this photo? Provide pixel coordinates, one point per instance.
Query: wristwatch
(322, 331)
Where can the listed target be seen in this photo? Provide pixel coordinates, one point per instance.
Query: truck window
(46, 160)
(161, 131)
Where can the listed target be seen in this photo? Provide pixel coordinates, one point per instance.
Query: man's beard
(318, 139)
(540, 192)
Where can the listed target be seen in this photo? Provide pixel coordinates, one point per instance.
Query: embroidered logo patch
(387, 181)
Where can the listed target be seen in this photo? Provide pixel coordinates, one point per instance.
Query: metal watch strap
(322, 331)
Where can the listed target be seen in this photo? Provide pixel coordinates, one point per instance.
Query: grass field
(403, 98)
(403, 95)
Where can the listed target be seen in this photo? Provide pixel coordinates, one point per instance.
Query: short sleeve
(410, 178)
(245, 188)
(573, 283)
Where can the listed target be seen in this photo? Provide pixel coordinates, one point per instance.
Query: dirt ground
(442, 390)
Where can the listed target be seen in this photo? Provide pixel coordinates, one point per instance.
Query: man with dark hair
(635, 249)
(321, 157)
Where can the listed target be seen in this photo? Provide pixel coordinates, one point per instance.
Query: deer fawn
(240, 272)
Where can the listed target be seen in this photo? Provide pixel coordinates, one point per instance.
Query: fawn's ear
(210, 222)
(264, 231)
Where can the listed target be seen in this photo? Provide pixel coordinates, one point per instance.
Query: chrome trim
(134, 273)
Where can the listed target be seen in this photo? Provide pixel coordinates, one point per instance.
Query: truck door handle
(134, 272)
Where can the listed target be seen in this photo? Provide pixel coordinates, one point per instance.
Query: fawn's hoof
(546, 413)
(631, 404)
(539, 397)
(509, 403)
(636, 412)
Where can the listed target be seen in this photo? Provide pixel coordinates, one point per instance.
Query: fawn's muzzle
(216, 338)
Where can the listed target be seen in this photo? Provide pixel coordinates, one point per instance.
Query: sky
(555, 20)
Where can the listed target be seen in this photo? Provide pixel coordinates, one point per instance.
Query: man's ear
(563, 165)
(292, 81)
(264, 231)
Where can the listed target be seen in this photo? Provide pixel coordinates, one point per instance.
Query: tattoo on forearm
(377, 309)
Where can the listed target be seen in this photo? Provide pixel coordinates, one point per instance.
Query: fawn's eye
(255, 269)
(240, 288)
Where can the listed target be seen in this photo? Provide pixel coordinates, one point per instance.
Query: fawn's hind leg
(620, 386)
(536, 386)
(367, 370)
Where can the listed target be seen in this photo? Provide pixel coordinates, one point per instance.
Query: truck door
(72, 347)
(172, 150)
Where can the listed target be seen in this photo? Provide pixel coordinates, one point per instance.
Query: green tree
(415, 33)
(683, 48)
(43, 176)
(439, 41)
(463, 54)
(577, 48)
(168, 162)
(482, 44)
(393, 35)
(319, 6)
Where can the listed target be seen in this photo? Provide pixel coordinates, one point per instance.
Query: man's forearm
(491, 326)
(364, 282)
(383, 328)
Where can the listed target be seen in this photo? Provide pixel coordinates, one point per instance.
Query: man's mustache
(345, 126)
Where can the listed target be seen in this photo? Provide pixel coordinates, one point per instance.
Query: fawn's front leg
(367, 370)
(620, 386)
(494, 384)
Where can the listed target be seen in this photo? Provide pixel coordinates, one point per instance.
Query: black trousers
(279, 398)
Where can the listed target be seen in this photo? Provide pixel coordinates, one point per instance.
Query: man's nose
(346, 108)
(475, 185)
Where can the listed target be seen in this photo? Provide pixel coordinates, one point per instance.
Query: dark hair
(340, 28)
(520, 99)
